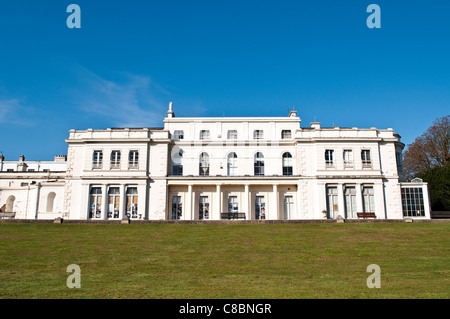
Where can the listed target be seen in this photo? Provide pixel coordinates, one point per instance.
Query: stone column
(218, 204)
(276, 203)
(188, 213)
(123, 199)
(341, 207)
(359, 201)
(104, 202)
(247, 203)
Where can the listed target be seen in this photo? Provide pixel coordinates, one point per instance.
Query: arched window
(10, 204)
(259, 164)
(232, 164)
(204, 164)
(177, 165)
(287, 164)
(50, 202)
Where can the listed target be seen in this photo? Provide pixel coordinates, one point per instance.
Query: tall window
(115, 159)
(288, 207)
(350, 202)
(348, 158)
(232, 164)
(329, 157)
(133, 159)
(398, 158)
(113, 202)
(286, 134)
(204, 164)
(177, 208)
(132, 202)
(365, 157)
(97, 159)
(368, 199)
(260, 207)
(232, 134)
(233, 205)
(177, 165)
(178, 135)
(332, 201)
(287, 164)
(204, 134)
(258, 134)
(412, 202)
(203, 209)
(95, 202)
(259, 164)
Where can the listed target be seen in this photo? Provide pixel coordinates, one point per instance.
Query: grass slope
(225, 260)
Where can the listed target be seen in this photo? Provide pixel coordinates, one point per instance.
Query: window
(115, 159)
(285, 134)
(97, 158)
(113, 202)
(288, 207)
(204, 164)
(332, 201)
(260, 207)
(258, 134)
(177, 208)
(348, 158)
(204, 134)
(232, 134)
(203, 209)
(177, 165)
(365, 157)
(178, 135)
(368, 199)
(412, 202)
(232, 164)
(233, 206)
(350, 202)
(259, 164)
(133, 159)
(329, 161)
(287, 164)
(95, 202)
(132, 202)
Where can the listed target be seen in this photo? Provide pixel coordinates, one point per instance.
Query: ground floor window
(332, 201)
(260, 207)
(113, 202)
(132, 202)
(350, 202)
(412, 202)
(233, 206)
(177, 208)
(368, 199)
(203, 209)
(288, 207)
(95, 202)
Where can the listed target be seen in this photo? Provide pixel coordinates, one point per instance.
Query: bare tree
(429, 150)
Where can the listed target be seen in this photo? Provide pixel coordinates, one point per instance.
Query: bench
(232, 215)
(366, 215)
(7, 215)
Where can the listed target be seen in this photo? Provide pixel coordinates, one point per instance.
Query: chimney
(170, 113)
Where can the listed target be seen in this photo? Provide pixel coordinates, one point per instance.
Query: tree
(428, 158)
(429, 150)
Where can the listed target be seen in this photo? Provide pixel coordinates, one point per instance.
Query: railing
(232, 215)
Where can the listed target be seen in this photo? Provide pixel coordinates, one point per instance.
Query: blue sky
(218, 58)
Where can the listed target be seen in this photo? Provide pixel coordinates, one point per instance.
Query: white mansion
(214, 168)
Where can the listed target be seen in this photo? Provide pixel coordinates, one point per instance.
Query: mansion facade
(217, 168)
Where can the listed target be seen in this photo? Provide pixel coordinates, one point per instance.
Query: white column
(104, 202)
(359, 202)
(341, 207)
(276, 203)
(188, 213)
(218, 204)
(247, 203)
(123, 199)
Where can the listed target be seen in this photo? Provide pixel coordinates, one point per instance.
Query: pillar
(123, 199)
(218, 204)
(276, 202)
(248, 214)
(104, 202)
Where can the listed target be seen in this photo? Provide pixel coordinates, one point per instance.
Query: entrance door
(288, 207)
(177, 208)
(203, 209)
(260, 207)
(332, 202)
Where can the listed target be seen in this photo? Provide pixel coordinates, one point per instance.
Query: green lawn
(308, 260)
